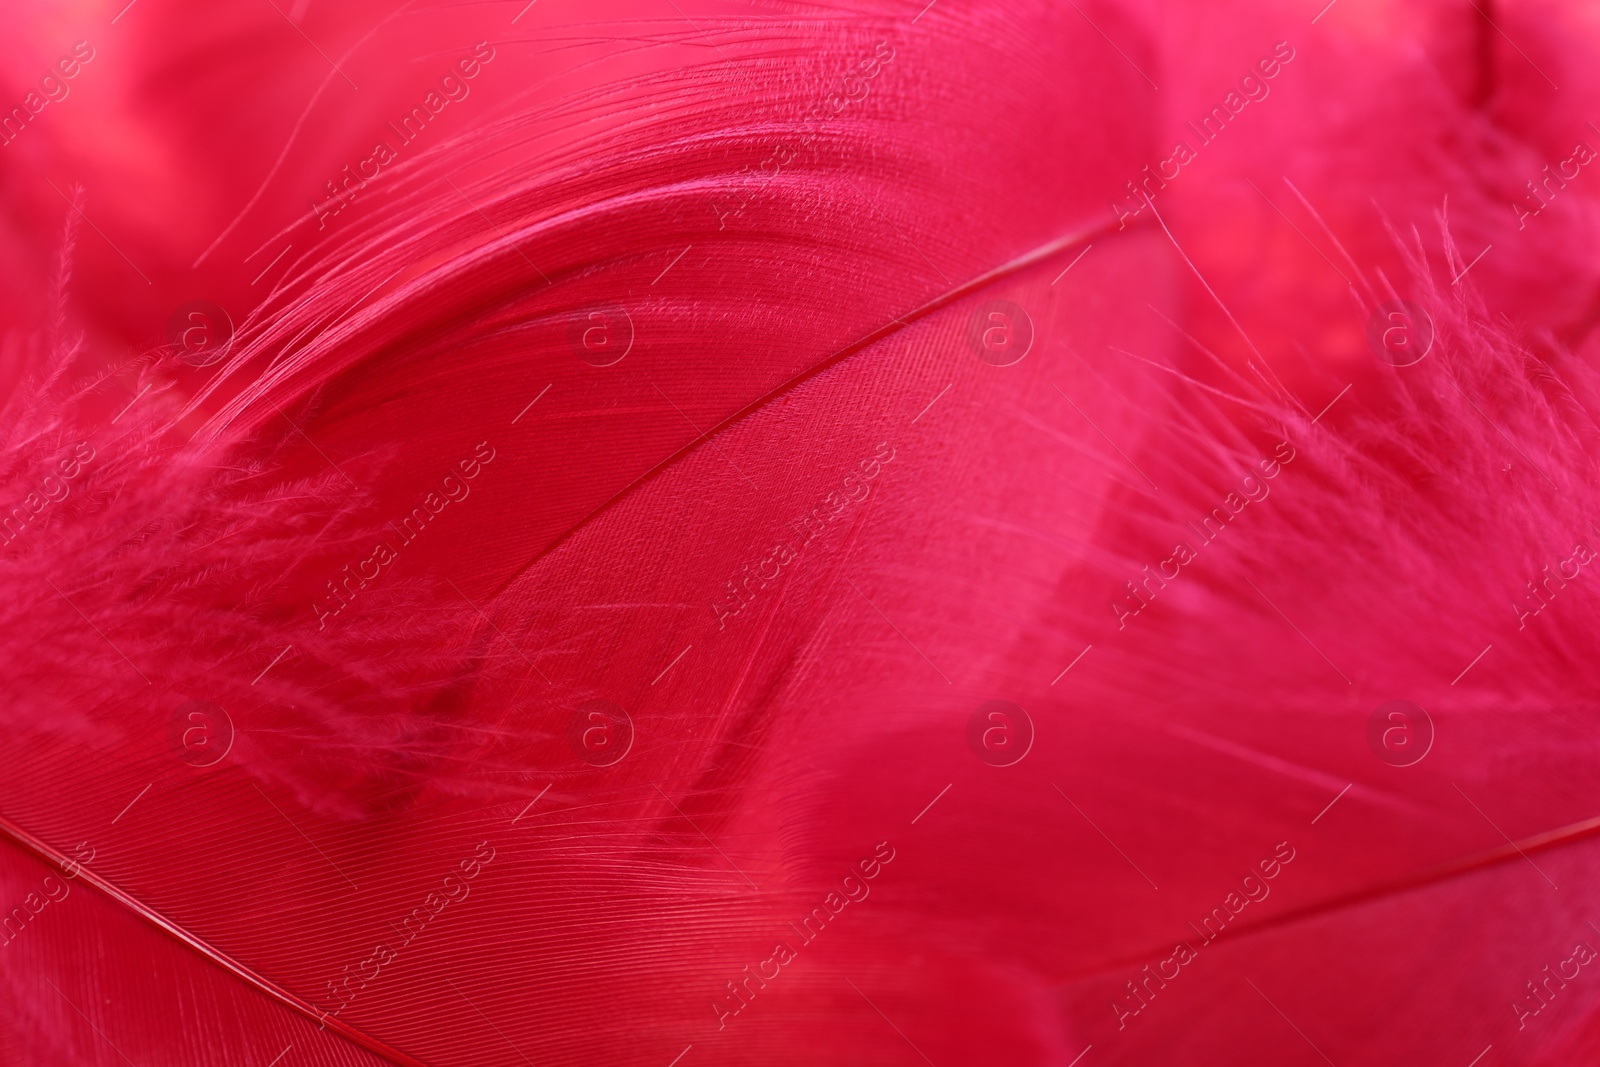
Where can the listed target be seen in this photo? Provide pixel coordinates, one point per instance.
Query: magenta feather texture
(681, 534)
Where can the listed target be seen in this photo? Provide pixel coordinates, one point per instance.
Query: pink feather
(721, 534)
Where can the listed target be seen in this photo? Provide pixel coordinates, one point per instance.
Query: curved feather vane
(681, 534)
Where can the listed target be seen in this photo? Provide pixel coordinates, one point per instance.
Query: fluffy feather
(799, 532)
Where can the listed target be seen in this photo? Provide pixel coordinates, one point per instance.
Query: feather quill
(568, 621)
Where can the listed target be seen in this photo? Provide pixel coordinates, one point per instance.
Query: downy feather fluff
(592, 549)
